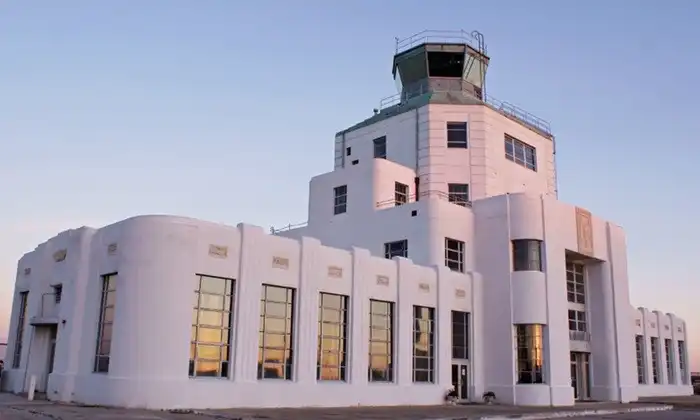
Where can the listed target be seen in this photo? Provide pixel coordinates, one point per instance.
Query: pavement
(13, 407)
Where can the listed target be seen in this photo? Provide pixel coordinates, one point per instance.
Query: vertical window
(521, 153)
(400, 193)
(457, 135)
(332, 337)
(655, 359)
(21, 319)
(348, 151)
(423, 344)
(57, 292)
(668, 347)
(529, 353)
(641, 367)
(396, 249)
(682, 362)
(577, 321)
(454, 254)
(460, 335)
(211, 327)
(575, 288)
(527, 255)
(458, 194)
(340, 197)
(380, 147)
(275, 358)
(381, 341)
(104, 331)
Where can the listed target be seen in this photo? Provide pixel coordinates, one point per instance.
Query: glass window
(340, 201)
(380, 147)
(575, 286)
(275, 358)
(457, 135)
(400, 193)
(641, 371)
(682, 362)
(211, 327)
(396, 249)
(381, 341)
(423, 344)
(521, 153)
(529, 353)
(104, 331)
(655, 360)
(454, 254)
(527, 255)
(332, 337)
(669, 361)
(460, 335)
(21, 320)
(458, 194)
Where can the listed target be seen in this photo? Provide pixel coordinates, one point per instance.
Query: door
(574, 375)
(52, 355)
(580, 375)
(460, 380)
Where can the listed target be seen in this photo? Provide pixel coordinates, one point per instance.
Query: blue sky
(223, 110)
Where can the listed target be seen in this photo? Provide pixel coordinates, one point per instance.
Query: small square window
(400, 193)
(380, 147)
(457, 135)
(340, 203)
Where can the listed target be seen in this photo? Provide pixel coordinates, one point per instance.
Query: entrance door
(460, 380)
(580, 375)
(52, 355)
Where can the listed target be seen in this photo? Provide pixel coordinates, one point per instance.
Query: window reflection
(423, 344)
(276, 333)
(529, 353)
(381, 341)
(211, 322)
(332, 337)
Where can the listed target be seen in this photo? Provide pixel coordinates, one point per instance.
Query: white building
(516, 292)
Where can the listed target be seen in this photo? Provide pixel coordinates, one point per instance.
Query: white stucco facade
(439, 237)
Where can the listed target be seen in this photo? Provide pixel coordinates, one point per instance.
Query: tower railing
(505, 108)
(441, 37)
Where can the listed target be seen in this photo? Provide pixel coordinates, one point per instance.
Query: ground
(13, 407)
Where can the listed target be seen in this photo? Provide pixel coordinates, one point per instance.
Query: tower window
(575, 286)
(458, 194)
(348, 151)
(527, 255)
(457, 135)
(340, 199)
(396, 249)
(454, 254)
(380, 147)
(400, 193)
(521, 153)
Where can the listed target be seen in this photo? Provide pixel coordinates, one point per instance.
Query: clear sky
(114, 108)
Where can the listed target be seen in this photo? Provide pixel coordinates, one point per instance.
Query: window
(400, 193)
(457, 135)
(423, 344)
(641, 367)
(454, 254)
(57, 292)
(381, 341)
(575, 289)
(527, 255)
(21, 319)
(655, 359)
(348, 151)
(521, 153)
(668, 346)
(458, 194)
(460, 335)
(577, 321)
(529, 353)
(340, 204)
(332, 337)
(275, 358)
(682, 362)
(380, 147)
(104, 331)
(396, 249)
(211, 327)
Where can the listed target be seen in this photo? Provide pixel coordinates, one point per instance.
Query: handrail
(290, 226)
(427, 194)
(505, 108)
(438, 36)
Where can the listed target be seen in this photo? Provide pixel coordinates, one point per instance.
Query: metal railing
(437, 36)
(274, 230)
(505, 108)
(423, 194)
(579, 336)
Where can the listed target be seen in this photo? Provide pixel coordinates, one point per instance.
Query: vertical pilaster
(310, 276)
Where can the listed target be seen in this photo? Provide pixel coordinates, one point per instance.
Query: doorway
(580, 375)
(460, 380)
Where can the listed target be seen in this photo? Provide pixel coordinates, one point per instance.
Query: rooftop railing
(505, 108)
(274, 230)
(423, 194)
(441, 37)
